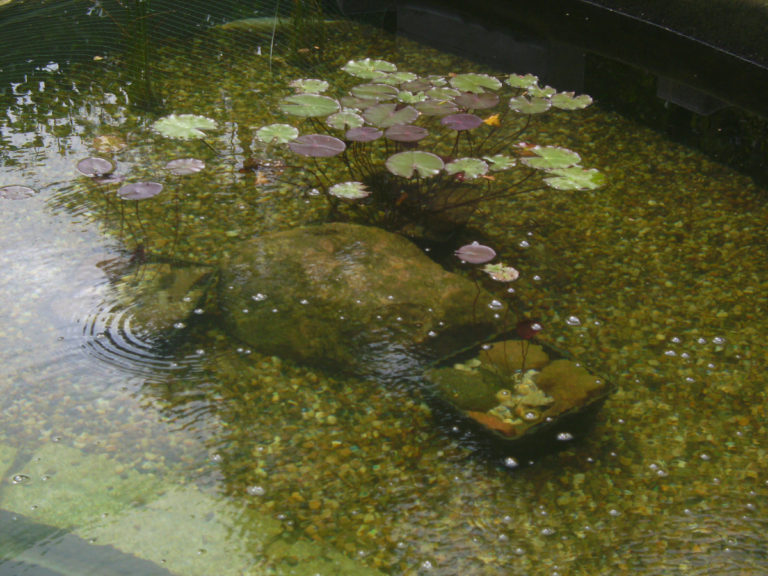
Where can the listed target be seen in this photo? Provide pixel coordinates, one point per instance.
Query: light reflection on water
(673, 477)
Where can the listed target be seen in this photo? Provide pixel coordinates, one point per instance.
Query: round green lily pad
(349, 190)
(309, 85)
(522, 81)
(277, 133)
(368, 69)
(526, 105)
(183, 126)
(469, 167)
(575, 178)
(476, 83)
(406, 164)
(568, 101)
(500, 162)
(396, 78)
(551, 157)
(501, 273)
(387, 114)
(538, 92)
(374, 91)
(308, 105)
(410, 97)
(344, 120)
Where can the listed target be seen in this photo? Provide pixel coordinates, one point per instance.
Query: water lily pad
(277, 133)
(411, 97)
(388, 114)
(368, 69)
(16, 192)
(522, 81)
(575, 178)
(477, 83)
(550, 157)
(354, 103)
(349, 190)
(469, 167)
(472, 101)
(185, 166)
(374, 91)
(501, 273)
(537, 91)
(443, 93)
(568, 101)
(317, 146)
(344, 120)
(436, 107)
(363, 134)
(461, 121)
(95, 167)
(184, 126)
(406, 133)
(406, 164)
(308, 105)
(476, 253)
(417, 85)
(396, 78)
(526, 105)
(309, 85)
(140, 190)
(500, 162)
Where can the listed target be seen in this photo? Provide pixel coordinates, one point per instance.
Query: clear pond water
(204, 456)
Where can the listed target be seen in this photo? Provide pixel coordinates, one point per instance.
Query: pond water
(203, 455)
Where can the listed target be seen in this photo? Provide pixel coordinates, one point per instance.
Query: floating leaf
(443, 93)
(406, 164)
(16, 192)
(476, 83)
(526, 105)
(374, 91)
(575, 178)
(363, 134)
(568, 101)
(309, 85)
(436, 107)
(501, 273)
(277, 133)
(388, 114)
(344, 120)
(317, 146)
(140, 190)
(462, 121)
(417, 85)
(476, 253)
(354, 103)
(183, 126)
(308, 105)
(369, 69)
(410, 97)
(550, 157)
(349, 190)
(526, 81)
(396, 78)
(406, 133)
(536, 91)
(95, 167)
(469, 167)
(471, 101)
(500, 162)
(185, 166)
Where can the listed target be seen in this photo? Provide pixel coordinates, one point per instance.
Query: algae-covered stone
(466, 389)
(570, 384)
(509, 356)
(349, 296)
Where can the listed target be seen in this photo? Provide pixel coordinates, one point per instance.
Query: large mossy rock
(352, 297)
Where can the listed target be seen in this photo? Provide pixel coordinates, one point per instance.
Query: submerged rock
(352, 297)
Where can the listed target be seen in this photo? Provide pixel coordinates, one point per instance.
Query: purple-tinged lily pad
(462, 121)
(16, 192)
(472, 101)
(406, 133)
(317, 146)
(476, 253)
(389, 114)
(95, 167)
(185, 166)
(363, 134)
(406, 164)
(140, 190)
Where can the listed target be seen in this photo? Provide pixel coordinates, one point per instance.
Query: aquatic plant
(426, 149)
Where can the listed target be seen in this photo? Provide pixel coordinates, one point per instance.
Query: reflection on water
(658, 282)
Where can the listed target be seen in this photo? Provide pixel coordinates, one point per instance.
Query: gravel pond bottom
(658, 282)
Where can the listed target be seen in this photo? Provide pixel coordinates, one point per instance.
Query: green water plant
(427, 150)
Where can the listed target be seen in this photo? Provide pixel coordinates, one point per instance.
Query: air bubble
(255, 491)
(510, 462)
(259, 297)
(564, 436)
(495, 305)
(573, 321)
(21, 479)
